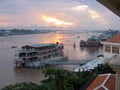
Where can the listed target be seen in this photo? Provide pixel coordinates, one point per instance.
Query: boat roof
(42, 45)
(94, 37)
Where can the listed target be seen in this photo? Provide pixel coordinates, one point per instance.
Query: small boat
(13, 46)
(78, 37)
(82, 43)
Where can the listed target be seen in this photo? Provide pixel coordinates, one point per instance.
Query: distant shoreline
(12, 32)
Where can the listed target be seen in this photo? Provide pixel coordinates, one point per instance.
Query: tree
(57, 76)
(104, 68)
(23, 86)
(77, 79)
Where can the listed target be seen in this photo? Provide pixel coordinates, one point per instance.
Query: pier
(56, 61)
(66, 62)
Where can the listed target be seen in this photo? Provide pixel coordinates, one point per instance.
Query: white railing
(32, 50)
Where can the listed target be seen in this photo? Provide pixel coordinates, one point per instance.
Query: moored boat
(29, 54)
(93, 42)
(108, 34)
(82, 43)
(13, 46)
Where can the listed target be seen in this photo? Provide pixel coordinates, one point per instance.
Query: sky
(57, 14)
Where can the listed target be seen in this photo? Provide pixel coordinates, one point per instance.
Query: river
(10, 75)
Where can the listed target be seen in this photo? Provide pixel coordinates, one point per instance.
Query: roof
(113, 5)
(103, 82)
(42, 45)
(114, 39)
(91, 65)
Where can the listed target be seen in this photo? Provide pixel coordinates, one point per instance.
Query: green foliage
(23, 86)
(57, 76)
(65, 80)
(47, 85)
(77, 79)
(59, 79)
(104, 68)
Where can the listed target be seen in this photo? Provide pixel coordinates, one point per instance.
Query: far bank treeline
(59, 79)
(4, 32)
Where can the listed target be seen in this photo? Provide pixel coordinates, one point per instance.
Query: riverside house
(111, 46)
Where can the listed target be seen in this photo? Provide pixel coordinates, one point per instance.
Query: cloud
(83, 13)
(56, 21)
(81, 7)
(86, 9)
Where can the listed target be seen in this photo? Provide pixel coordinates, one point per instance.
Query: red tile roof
(114, 39)
(111, 81)
(103, 81)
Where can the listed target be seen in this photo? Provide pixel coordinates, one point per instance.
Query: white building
(111, 46)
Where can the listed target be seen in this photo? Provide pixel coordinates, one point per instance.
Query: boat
(78, 37)
(107, 34)
(34, 54)
(93, 42)
(13, 46)
(82, 43)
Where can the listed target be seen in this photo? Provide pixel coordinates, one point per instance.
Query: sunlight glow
(81, 7)
(93, 14)
(86, 8)
(53, 39)
(55, 21)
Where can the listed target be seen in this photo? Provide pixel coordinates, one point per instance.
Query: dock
(66, 62)
(55, 61)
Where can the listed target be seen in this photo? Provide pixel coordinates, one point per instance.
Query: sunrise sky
(63, 14)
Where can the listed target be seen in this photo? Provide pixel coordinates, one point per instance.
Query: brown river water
(9, 74)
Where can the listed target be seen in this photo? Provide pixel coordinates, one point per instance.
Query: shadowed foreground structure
(114, 6)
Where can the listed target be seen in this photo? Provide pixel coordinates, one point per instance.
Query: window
(107, 48)
(115, 49)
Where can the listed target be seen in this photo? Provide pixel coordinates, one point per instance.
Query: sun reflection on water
(53, 38)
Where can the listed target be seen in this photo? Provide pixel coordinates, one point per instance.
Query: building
(115, 64)
(111, 46)
(114, 6)
(103, 82)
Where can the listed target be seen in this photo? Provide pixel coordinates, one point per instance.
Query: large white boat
(30, 54)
